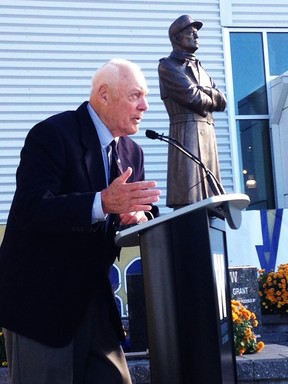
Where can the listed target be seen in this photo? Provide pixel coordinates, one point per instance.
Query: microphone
(215, 185)
(152, 135)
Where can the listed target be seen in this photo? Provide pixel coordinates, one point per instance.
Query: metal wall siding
(49, 51)
(264, 13)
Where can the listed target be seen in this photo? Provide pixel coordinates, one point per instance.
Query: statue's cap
(181, 23)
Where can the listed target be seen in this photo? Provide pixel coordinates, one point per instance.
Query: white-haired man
(57, 306)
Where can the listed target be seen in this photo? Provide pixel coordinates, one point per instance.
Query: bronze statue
(190, 96)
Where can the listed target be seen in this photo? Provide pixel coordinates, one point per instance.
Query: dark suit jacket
(52, 259)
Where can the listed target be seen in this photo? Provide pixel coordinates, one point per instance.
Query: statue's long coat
(190, 96)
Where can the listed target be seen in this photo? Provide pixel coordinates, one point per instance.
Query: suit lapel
(204, 78)
(194, 71)
(92, 150)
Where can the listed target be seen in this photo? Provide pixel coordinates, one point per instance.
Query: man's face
(189, 39)
(127, 106)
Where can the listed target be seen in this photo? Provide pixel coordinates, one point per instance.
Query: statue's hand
(207, 90)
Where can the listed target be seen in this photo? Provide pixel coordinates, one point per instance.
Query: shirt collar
(103, 132)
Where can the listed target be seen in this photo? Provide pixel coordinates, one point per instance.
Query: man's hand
(128, 198)
(133, 218)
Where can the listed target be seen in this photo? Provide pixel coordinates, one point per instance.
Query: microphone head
(151, 134)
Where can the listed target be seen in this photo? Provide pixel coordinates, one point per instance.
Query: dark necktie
(115, 170)
(115, 163)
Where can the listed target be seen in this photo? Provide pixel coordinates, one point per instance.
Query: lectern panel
(186, 291)
(188, 306)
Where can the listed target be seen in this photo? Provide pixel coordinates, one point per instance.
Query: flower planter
(275, 329)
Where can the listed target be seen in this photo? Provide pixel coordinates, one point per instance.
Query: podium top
(227, 207)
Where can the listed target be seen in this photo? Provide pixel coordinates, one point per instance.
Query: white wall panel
(247, 13)
(50, 49)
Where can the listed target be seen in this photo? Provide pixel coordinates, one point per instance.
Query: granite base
(270, 366)
(275, 329)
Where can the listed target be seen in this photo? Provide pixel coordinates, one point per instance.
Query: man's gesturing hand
(121, 197)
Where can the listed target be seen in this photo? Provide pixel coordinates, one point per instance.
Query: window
(251, 74)
(256, 162)
(278, 53)
(250, 94)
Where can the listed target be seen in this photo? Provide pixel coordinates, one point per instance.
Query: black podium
(188, 309)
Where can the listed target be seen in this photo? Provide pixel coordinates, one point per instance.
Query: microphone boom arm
(214, 183)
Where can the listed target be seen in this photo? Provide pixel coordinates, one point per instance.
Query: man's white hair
(110, 72)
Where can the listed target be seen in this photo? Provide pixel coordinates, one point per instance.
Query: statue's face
(189, 39)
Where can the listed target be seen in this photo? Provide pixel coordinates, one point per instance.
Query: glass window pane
(248, 74)
(278, 53)
(256, 163)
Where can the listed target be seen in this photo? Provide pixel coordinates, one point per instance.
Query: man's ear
(103, 94)
(176, 39)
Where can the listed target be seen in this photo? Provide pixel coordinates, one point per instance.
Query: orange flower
(273, 292)
(245, 341)
(260, 346)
